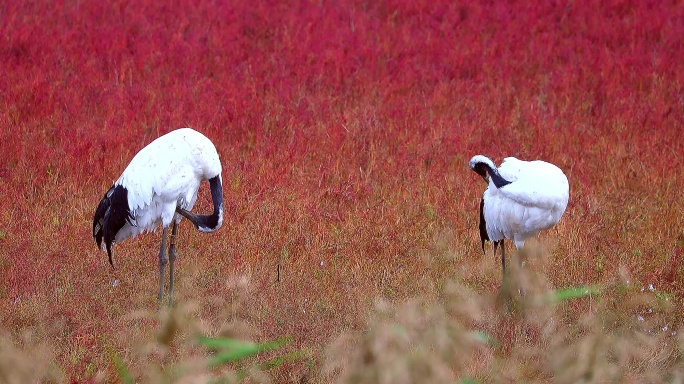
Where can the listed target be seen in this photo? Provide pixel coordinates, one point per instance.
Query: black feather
(110, 216)
(483, 225)
(98, 219)
(483, 168)
(208, 222)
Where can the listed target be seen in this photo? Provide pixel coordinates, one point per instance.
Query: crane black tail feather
(110, 216)
(483, 225)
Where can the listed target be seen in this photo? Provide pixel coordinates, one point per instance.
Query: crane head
(481, 164)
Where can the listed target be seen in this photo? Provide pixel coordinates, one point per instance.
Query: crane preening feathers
(160, 186)
(522, 199)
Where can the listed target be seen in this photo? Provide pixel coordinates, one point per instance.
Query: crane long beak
(188, 215)
(486, 179)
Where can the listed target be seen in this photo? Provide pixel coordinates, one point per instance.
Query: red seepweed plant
(345, 130)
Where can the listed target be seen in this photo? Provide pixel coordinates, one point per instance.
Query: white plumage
(160, 186)
(522, 199)
(164, 175)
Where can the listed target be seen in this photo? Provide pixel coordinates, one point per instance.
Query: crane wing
(534, 183)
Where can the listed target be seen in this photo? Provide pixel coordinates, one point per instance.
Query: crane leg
(505, 291)
(172, 258)
(503, 259)
(503, 256)
(163, 260)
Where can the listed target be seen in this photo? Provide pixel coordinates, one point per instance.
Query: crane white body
(535, 200)
(522, 199)
(164, 175)
(159, 186)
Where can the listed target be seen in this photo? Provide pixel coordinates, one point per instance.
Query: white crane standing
(522, 199)
(158, 187)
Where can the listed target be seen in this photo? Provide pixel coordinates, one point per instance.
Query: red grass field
(344, 129)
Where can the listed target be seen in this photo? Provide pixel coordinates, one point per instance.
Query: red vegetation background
(344, 129)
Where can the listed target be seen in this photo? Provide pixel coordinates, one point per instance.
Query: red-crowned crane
(158, 187)
(522, 199)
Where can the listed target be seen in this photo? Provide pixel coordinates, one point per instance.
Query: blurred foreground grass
(525, 332)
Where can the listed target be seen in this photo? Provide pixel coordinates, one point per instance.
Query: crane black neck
(208, 223)
(496, 177)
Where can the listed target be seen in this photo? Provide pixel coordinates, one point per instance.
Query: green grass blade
(275, 363)
(231, 350)
(218, 343)
(574, 293)
(278, 361)
(125, 376)
(485, 338)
